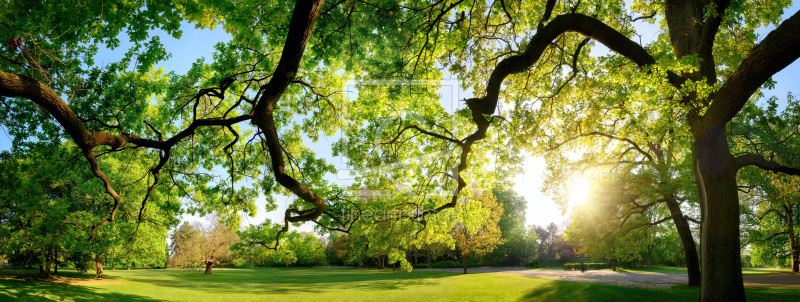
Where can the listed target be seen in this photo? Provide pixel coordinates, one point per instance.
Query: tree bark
(720, 252)
(464, 256)
(793, 248)
(47, 265)
(55, 262)
(650, 255)
(98, 264)
(209, 265)
(687, 240)
(429, 258)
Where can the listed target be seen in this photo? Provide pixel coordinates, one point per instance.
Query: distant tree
(206, 244)
(771, 202)
(773, 215)
(306, 248)
(519, 245)
(481, 237)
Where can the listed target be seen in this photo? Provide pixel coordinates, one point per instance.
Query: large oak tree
(286, 60)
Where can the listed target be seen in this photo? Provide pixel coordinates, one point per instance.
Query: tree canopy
(238, 124)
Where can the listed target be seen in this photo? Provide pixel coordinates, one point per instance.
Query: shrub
(534, 264)
(588, 266)
(446, 264)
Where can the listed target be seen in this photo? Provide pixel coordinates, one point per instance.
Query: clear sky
(541, 210)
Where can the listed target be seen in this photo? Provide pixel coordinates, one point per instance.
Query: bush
(549, 262)
(588, 266)
(446, 264)
(534, 264)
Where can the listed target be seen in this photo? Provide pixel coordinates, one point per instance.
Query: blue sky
(196, 43)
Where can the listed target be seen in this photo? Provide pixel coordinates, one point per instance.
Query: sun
(579, 192)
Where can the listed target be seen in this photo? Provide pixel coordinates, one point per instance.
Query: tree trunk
(793, 248)
(464, 256)
(98, 264)
(719, 200)
(650, 255)
(41, 267)
(687, 240)
(55, 262)
(47, 265)
(429, 258)
(209, 265)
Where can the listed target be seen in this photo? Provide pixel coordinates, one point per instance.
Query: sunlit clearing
(579, 193)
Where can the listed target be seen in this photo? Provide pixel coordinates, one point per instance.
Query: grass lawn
(323, 284)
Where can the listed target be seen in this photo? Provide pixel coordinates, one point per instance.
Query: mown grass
(324, 284)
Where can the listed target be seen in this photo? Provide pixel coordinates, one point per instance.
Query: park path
(644, 280)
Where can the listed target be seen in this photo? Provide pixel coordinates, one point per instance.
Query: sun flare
(579, 192)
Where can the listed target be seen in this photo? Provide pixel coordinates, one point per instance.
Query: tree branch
(765, 164)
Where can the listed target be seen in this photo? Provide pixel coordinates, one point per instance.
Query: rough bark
(98, 264)
(721, 260)
(464, 257)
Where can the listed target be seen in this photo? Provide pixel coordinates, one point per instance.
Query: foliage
(529, 63)
(484, 236)
(519, 242)
(202, 244)
(582, 266)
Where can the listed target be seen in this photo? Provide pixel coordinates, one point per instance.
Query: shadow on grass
(21, 290)
(576, 291)
(284, 280)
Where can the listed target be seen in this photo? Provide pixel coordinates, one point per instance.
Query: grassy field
(324, 284)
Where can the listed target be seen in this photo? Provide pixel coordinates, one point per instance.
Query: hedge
(447, 264)
(588, 266)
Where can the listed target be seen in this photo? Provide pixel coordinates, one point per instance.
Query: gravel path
(644, 280)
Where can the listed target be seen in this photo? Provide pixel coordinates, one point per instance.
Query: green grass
(764, 270)
(322, 284)
(655, 269)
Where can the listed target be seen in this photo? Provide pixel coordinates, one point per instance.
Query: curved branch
(765, 164)
(585, 25)
(622, 139)
(779, 48)
(302, 23)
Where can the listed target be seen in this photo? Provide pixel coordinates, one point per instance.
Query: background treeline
(199, 245)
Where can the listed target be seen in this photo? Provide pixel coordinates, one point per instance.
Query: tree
(203, 244)
(42, 201)
(773, 237)
(484, 236)
(706, 63)
(771, 200)
(519, 243)
(650, 165)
